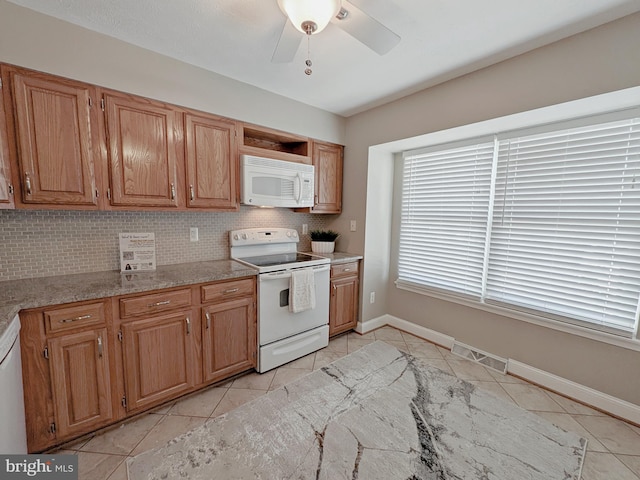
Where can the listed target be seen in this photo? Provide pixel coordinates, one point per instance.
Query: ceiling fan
(312, 16)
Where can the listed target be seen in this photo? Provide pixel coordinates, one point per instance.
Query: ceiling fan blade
(367, 29)
(288, 44)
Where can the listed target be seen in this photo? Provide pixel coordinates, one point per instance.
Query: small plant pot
(323, 247)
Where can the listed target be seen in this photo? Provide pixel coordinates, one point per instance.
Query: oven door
(275, 321)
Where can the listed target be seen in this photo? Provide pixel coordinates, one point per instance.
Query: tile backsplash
(45, 243)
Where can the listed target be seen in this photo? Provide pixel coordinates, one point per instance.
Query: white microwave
(275, 183)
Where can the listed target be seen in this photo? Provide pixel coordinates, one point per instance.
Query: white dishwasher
(13, 435)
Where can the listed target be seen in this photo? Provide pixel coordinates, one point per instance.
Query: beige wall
(597, 61)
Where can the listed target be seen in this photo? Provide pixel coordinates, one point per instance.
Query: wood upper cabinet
(6, 187)
(211, 162)
(158, 358)
(80, 380)
(53, 123)
(144, 143)
(328, 159)
(345, 293)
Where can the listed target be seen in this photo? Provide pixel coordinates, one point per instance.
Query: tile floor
(613, 447)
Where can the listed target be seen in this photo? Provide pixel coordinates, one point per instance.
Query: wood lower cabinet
(144, 150)
(80, 380)
(211, 162)
(345, 294)
(228, 338)
(54, 124)
(67, 358)
(158, 359)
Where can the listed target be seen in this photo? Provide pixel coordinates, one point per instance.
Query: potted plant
(323, 241)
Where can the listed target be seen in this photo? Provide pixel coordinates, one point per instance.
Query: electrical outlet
(372, 297)
(305, 228)
(353, 226)
(193, 234)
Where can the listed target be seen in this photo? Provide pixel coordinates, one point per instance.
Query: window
(546, 222)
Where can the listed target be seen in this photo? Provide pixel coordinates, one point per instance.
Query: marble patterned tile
(424, 350)
(573, 407)
(532, 398)
(170, 426)
(568, 423)
(97, 466)
(495, 389)
(286, 375)
(439, 363)
(361, 336)
(373, 414)
(120, 473)
(388, 333)
(467, 370)
(632, 462)
(324, 358)
(357, 343)
(337, 344)
(122, 439)
(605, 466)
(400, 345)
(255, 380)
(505, 377)
(412, 338)
(200, 404)
(234, 398)
(614, 434)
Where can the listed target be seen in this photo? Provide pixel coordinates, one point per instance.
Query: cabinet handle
(100, 346)
(74, 319)
(334, 289)
(188, 320)
(173, 191)
(208, 317)
(192, 193)
(27, 182)
(230, 290)
(158, 304)
(347, 270)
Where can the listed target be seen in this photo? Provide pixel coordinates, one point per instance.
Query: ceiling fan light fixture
(310, 16)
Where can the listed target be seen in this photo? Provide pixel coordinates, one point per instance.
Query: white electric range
(283, 335)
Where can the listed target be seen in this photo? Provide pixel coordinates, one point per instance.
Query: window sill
(611, 339)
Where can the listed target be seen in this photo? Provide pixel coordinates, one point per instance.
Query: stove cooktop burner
(279, 259)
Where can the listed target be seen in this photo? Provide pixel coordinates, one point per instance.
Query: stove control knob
(235, 237)
(294, 233)
(288, 233)
(244, 236)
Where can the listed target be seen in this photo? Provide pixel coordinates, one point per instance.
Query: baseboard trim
(599, 400)
(583, 394)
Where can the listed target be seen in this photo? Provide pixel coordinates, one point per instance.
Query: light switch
(193, 234)
(353, 226)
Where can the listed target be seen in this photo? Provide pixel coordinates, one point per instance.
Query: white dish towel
(302, 290)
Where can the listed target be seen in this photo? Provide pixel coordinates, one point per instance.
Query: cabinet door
(327, 158)
(53, 123)
(143, 150)
(80, 381)
(229, 338)
(212, 162)
(158, 359)
(6, 188)
(343, 308)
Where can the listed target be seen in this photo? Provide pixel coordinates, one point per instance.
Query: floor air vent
(478, 356)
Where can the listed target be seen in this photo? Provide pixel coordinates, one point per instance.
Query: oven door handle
(287, 273)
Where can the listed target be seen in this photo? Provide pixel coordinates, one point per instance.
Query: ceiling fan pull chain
(308, 63)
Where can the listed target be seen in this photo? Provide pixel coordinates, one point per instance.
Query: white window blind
(566, 224)
(549, 223)
(444, 218)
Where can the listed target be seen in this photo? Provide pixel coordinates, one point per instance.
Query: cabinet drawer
(222, 291)
(154, 303)
(67, 318)
(344, 269)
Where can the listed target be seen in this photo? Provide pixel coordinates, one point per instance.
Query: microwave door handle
(299, 179)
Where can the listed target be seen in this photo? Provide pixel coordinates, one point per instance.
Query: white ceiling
(441, 39)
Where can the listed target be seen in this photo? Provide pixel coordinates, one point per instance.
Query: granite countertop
(16, 295)
(338, 257)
